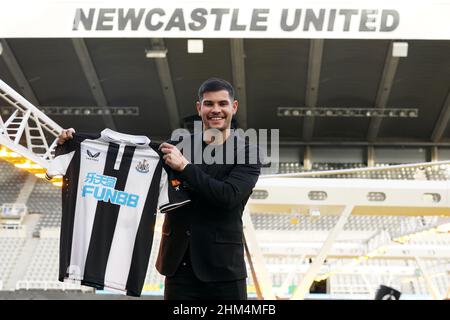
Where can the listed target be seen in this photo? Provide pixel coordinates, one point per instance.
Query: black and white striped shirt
(113, 185)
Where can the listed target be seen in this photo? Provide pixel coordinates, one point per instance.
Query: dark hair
(215, 84)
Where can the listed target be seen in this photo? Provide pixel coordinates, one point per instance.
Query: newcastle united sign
(339, 19)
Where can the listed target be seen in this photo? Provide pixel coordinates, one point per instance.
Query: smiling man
(216, 108)
(202, 251)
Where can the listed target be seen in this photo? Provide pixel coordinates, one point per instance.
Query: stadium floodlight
(400, 49)
(195, 46)
(29, 166)
(347, 112)
(3, 152)
(9, 155)
(81, 110)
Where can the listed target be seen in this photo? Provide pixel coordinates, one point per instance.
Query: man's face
(216, 110)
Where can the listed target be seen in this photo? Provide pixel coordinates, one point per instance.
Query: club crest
(143, 166)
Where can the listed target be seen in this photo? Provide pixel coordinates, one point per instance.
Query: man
(201, 252)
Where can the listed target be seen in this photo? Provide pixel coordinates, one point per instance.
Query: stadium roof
(268, 74)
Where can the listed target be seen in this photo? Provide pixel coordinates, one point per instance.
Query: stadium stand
(44, 198)
(154, 282)
(11, 180)
(48, 220)
(288, 221)
(10, 249)
(44, 263)
(430, 173)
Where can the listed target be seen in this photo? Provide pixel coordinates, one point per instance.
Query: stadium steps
(11, 182)
(26, 190)
(22, 262)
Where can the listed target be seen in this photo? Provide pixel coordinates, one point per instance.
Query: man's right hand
(65, 135)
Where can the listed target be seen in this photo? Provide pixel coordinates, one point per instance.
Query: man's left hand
(173, 157)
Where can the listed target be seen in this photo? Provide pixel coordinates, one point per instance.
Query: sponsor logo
(176, 184)
(102, 188)
(92, 156)
(143, 166)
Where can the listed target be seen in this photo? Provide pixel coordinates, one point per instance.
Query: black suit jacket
(211, 224)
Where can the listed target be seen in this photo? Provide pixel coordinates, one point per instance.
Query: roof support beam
(261, 274)
(313, 271)
(429, 283)
(434, 154)
(370, 156)
(443, 121)
(238, 70)
(307, 158)
(92, 78)
(312, 85)
(165, 78)
(16, 71)
(384, 90)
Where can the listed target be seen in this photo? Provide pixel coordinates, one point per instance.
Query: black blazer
(211, 224)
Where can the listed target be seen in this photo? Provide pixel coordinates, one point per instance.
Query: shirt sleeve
(172, 194)
(63, 156)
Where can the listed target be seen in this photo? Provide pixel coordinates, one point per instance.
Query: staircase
(26, 190)
(24, 259)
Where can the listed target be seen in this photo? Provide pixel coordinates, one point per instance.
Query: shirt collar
(117, 137)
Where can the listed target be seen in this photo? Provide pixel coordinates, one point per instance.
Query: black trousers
(184, 285)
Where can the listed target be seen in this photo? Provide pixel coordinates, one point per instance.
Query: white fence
(49, 285)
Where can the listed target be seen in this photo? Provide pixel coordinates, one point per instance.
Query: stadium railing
(46, 285)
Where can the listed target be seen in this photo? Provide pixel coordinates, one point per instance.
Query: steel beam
(307, 162)
(21, 120)
(443, 121)
(308, 279)
(434, 154)
(165, 78)
(384, 90)
(262, 277)
(92, 79)
(238, 70)
(429, 283)
(17, 73)
(370, 156)
(312, 85)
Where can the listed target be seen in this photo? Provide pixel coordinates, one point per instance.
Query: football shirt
(112, 187)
